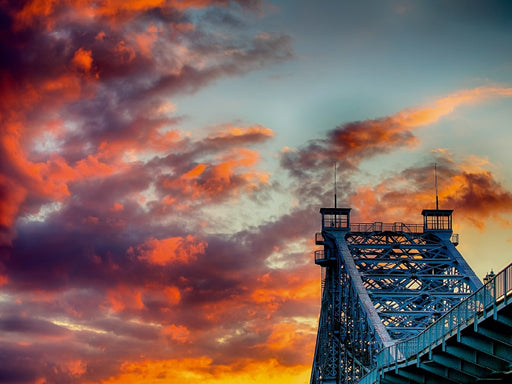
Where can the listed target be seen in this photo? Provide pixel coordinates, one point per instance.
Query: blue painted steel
(382, 283)
(485, 302)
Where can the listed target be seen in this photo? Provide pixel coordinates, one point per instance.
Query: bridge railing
(482, 302)
(383, 227)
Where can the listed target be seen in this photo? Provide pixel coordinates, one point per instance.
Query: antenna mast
(435, 176)
(335, 198)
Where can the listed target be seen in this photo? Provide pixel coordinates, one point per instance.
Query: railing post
(396, 358)
(505, 287)
(458, 322)
(494, 306)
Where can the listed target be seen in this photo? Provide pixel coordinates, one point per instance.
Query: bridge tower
(382, 283)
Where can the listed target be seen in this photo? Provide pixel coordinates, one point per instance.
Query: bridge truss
(382, 283)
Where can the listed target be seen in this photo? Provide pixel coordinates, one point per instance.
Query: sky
(163, 163)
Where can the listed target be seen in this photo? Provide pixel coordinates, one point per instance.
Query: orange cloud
(146, 40)
(4, 279)
(75, 367)
(273, 292)
(202, 370)
(354, 142)
(66, 87)
(35, 9)
(92, 145)
(241, 157)
(478, 195)
(170, 250)
(117, 207)
(11, 196)
(237, 131)
(122, 10)
(195, 172)
(173, 294)
(120, 7)
(467, 187)
(125, 52)
(209, 180)
(125, 297)
(27, 177)
(418, 116)
(177, 333)
(92, 167)
(139, 140)
(282, 336)
(390, 132)
(82, 60)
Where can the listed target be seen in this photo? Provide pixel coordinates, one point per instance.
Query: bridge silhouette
(401, 305)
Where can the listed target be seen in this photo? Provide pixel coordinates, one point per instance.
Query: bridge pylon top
(335, 218)
(437, 220)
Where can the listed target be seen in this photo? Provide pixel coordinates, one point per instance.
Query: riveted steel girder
(470, 344)
(381, 283)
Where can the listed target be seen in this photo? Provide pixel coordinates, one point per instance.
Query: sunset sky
(163, 163)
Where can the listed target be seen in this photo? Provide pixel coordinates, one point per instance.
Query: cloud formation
(466, 185)
(131, 249)
(104, 270)
(353, 143)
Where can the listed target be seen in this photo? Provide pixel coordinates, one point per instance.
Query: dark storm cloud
(30, 326)
(19, 365)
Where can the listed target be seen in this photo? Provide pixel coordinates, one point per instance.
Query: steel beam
(476, 357)
(460, 365)
(447, 374)
(500, 335)
(490, 347)
(385, 283)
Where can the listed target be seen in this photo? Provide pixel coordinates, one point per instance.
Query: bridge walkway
(472, 343)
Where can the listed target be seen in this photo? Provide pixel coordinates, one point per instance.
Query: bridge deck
(470, 344)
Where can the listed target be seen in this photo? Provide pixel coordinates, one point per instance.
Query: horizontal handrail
(320, 254)
(383, 227)
(477, 304)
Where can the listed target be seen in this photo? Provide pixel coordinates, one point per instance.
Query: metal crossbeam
(382, 283)
(472, 343)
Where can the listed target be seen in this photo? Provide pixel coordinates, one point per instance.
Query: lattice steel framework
(382, 283)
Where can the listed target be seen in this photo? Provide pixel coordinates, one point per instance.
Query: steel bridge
(401, 305)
